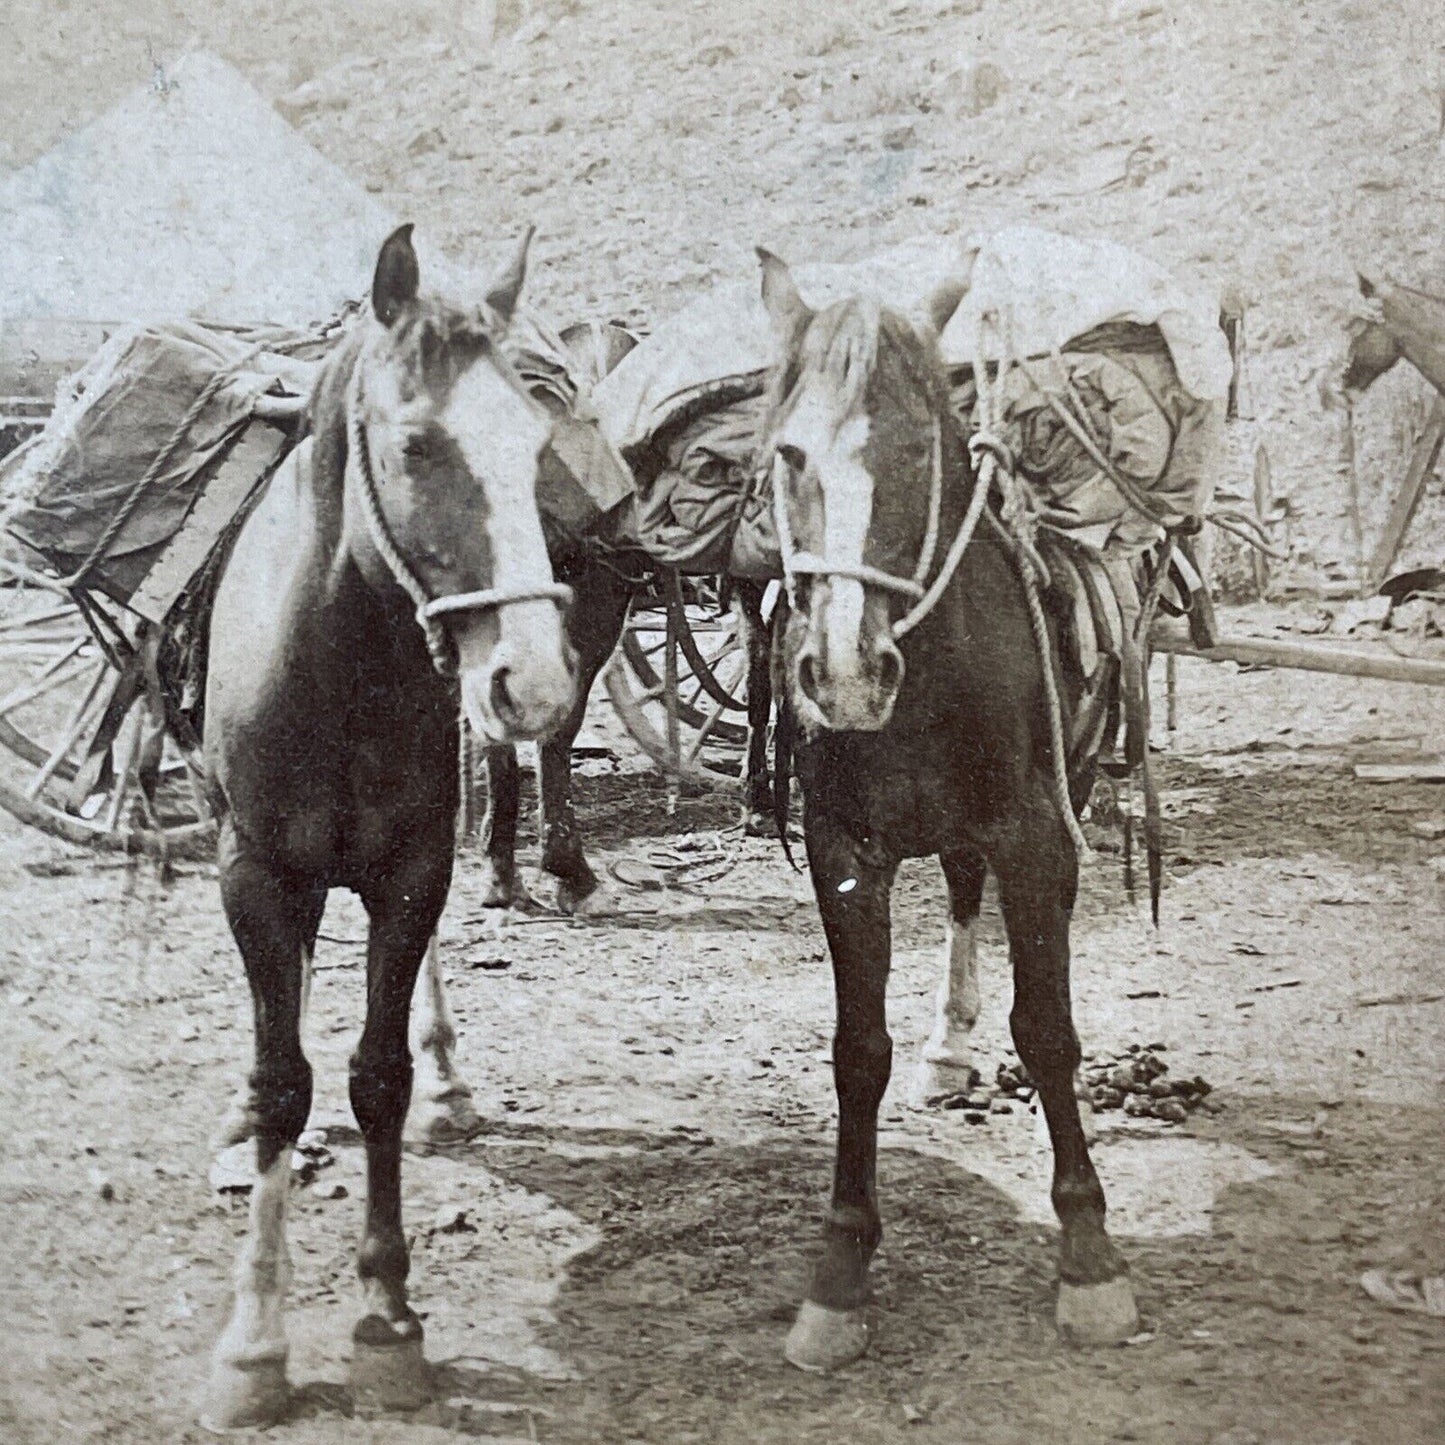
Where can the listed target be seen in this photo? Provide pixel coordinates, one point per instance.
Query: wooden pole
(1407, 499)
(1263, 506)
(1305, 656)
(1357, 515)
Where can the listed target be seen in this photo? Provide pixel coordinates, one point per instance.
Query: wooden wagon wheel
(679, 685)
(85, 754)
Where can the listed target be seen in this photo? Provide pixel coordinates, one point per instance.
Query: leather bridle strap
(428, 608)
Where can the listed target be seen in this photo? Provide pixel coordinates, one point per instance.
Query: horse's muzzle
(853, 691)
(522, 685)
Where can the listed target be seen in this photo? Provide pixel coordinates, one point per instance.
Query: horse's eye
(793, 457)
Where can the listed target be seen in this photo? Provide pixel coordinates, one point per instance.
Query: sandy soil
(638, 1215)
(641, 1209)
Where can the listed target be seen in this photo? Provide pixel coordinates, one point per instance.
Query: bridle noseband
(428, 608)
(924, 594)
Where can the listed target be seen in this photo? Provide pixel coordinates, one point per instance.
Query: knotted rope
(1017, 524)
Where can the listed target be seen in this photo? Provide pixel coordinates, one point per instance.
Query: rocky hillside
(1266, 147)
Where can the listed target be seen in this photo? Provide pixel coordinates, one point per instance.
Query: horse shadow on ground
(671, 1320)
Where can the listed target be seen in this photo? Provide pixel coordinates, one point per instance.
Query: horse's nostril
(503, 703)
(890, 668)
(808, 676)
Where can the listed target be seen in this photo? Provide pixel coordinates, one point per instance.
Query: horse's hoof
(759, 824)
(448, 1118)
(506, 890)
(246, 1393)
(935, 1079)
(1097, 1314)
(582, 898)
(388, 1369)
(824, 1339)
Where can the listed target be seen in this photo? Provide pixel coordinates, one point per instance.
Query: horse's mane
(846, 343)
(326, 408)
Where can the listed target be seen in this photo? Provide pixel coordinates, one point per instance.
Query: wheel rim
(140, 791)
(709, 659)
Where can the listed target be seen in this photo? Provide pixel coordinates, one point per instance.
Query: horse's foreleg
(853, 900)
(945, 1067)
(387, 1367)
(1036, 890)
(758, 810)
(502, 883)
(271, 921)
(594, 627)
(442, 1110)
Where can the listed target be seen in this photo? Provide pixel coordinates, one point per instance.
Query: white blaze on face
(836, 456)
(500, 433)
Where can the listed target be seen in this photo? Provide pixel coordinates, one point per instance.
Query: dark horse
(400, 543)
(604, 582)
(924, 729)
(1411, 325)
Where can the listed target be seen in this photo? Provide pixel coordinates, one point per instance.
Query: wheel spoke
(9, 623)
(708, 724)
(50, 678)
(80, 717)
(127, 761)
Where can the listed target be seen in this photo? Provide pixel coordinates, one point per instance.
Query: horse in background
(394, 568)
(1410, 325)
(912, 662)
(604, 579)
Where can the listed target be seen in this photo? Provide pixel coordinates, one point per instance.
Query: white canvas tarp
(192, 197)
(1053, 288)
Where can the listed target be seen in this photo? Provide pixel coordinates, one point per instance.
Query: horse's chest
(902, 799)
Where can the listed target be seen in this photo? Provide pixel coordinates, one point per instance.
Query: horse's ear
(1367, 287)
(507, 287)
(397, 278)
(784, 304)
(949, 295)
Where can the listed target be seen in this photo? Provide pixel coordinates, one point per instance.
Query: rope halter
(922, 593)
(429, 609)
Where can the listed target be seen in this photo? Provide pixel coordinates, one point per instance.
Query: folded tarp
(184, 389)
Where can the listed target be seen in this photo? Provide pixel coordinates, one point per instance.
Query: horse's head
(857, 426)
(444, 445)
(1373, 349)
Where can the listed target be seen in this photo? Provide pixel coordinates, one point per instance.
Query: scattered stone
(452, 1219)
(1000, 1105)
(334, 1190)
(976, 86)
(972, 1116)
(1172, 1111)
(102, 1185)
(426, 141)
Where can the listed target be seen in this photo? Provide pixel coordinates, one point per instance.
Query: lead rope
(400, 569)
(1017, 519)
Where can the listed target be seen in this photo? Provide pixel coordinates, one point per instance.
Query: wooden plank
(1430, 770)
(1304, 656)
(224, 495)
(1407, 499)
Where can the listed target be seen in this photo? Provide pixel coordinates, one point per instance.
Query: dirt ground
(637, 1218)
